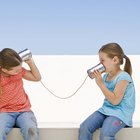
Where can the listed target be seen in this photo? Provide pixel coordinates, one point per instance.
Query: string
(66, 96)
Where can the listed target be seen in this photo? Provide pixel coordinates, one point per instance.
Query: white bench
(69, 131)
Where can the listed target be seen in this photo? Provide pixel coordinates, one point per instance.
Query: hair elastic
(124, 56)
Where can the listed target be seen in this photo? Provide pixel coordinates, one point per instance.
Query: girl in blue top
(118, 89)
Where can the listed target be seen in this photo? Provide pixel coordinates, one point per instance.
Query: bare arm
(116, 96)
(33, 74)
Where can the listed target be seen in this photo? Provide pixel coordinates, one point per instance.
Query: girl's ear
(115, 59)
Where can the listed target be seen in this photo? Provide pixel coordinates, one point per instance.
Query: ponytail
(127, 66)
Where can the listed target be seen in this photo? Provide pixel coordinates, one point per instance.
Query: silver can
(99, 67)
(25, 54)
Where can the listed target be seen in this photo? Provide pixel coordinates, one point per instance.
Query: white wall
(63, 74)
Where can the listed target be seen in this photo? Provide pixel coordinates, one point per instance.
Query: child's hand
(98, 77)
(28, 61)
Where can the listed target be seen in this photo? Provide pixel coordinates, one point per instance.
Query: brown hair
(114, 49)
(8, 59)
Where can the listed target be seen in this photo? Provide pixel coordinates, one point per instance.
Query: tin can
(25, 54)
(99, 67)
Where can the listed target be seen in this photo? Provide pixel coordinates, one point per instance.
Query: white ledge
(70, 125)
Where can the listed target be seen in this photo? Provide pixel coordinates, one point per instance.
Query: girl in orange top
(14, 102)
